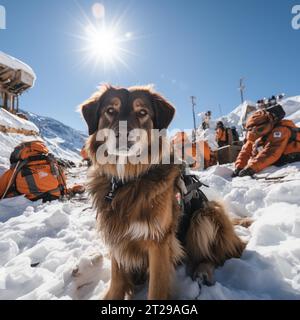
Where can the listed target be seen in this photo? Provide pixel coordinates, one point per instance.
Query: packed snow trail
(53, 251)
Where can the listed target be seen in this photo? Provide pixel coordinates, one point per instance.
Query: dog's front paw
(204, 273)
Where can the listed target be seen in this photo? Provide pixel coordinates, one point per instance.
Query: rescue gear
(187, 151)
(280, 145)
(226, 136)
(235, 135)
(34, 172)
(258, 118)
(236, 173)
(190, 199)
(277, 111)
(193, 200)
(246, 172)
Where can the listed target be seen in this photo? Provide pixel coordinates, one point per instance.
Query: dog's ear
(164, 111)
(90, 109)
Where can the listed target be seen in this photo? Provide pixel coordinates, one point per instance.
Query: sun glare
(103, 44)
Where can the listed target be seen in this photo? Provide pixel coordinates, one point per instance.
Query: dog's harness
(193, 200)
(115, 184)
(190, 198)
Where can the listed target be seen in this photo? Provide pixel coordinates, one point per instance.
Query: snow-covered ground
(52, 251)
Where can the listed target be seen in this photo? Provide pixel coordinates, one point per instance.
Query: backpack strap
(11, 187)
(294, 132)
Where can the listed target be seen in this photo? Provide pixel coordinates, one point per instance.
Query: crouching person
(269, 141)
(34, 173)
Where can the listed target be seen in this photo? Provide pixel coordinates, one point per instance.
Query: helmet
(260, 123)
(220, 124)
(259, 117)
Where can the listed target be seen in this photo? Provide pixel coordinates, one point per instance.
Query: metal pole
(194, 118)
(220, 109)
(242, 88)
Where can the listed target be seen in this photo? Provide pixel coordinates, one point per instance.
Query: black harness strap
(115, 184)
(194, 200)
(26, 173)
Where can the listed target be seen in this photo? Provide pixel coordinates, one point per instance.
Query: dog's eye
(111, 111)
(142, 113)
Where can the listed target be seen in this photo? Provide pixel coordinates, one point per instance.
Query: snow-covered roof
(16, 64)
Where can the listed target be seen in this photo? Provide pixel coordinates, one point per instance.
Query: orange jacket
(267, 150)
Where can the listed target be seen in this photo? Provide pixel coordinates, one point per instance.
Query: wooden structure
(15, 78)
(228, 154)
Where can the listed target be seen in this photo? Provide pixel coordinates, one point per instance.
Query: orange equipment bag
(188, 150)
(36, 173)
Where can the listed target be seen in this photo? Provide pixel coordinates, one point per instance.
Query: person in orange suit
(221, 134)
(268, 142)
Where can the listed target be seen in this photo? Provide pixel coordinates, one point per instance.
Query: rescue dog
(139, 220)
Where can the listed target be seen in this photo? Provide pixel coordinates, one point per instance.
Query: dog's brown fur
(141, 222)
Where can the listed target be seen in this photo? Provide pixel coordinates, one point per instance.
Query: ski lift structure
(16, 77)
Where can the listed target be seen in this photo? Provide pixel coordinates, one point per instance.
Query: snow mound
(51, 251)
(10, 120)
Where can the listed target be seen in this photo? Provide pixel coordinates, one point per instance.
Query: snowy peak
(62, 140)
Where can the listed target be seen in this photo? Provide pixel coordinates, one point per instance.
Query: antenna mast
(242, 89)
(194, 118)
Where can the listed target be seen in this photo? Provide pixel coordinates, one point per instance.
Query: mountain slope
(62, 140)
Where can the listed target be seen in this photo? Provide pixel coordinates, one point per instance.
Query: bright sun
(103, 43)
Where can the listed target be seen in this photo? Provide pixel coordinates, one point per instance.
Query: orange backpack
(37, 174)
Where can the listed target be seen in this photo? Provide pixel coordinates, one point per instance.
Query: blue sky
(184, 47)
